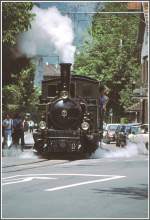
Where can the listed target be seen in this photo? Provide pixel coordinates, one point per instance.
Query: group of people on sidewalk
(13, 130)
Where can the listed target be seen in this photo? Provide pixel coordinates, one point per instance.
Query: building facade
(140, 109)
(144, 68)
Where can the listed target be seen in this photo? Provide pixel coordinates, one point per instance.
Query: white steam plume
(130, 150)
(49, 30)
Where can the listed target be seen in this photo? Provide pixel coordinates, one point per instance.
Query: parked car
(139, 134)
(122, 132)
(109, 133)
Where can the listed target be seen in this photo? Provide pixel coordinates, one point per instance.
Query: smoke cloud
(50, 32)
(130, 150)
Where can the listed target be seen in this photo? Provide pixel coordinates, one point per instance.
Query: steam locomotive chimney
(65, 76)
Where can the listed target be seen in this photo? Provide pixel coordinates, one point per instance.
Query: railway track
(27, 160)
(31, 165)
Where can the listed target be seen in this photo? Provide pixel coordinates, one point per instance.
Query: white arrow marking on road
(27, 179)
(55, 174)
(30, 177)
(84, 183)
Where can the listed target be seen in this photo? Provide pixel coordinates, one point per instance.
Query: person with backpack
(7, 126)
(18, 130)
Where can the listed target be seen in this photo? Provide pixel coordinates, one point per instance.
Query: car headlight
(85, 125)
(42, 125)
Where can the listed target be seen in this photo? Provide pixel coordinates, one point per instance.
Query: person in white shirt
(7, 128)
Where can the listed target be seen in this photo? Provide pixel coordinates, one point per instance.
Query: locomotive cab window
(52, 90)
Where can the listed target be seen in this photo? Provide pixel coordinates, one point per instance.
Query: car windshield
(135, 129)
(112, 127)
(128, 128)
(125, 128)
(122, 128)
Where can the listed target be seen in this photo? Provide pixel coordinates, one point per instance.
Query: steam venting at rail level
(50, 31)
(130, 150)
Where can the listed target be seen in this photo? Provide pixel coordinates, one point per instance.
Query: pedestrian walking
(7, 126)
(18, 130)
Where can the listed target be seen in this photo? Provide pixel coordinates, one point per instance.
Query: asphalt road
(110, 186)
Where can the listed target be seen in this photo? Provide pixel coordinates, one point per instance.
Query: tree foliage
(16, 18)
(112, 55)
(21, 96)
(19, 93)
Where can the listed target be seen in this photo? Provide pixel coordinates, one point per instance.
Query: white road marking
(84, 183)
(29, 177)
(55, 174)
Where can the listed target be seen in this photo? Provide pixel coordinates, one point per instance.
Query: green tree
(111, 56)
(11, 98)
(21, 96)
(19, 93)
(16, 18)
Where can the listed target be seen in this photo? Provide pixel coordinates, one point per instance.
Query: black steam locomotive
(69, 115)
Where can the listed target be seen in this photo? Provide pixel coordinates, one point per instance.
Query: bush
(123, 120)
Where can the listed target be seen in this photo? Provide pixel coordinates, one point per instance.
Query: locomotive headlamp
(42, 125)
(64, 94)
(85, 125)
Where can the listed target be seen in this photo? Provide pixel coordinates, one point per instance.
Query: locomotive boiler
(69, 115)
